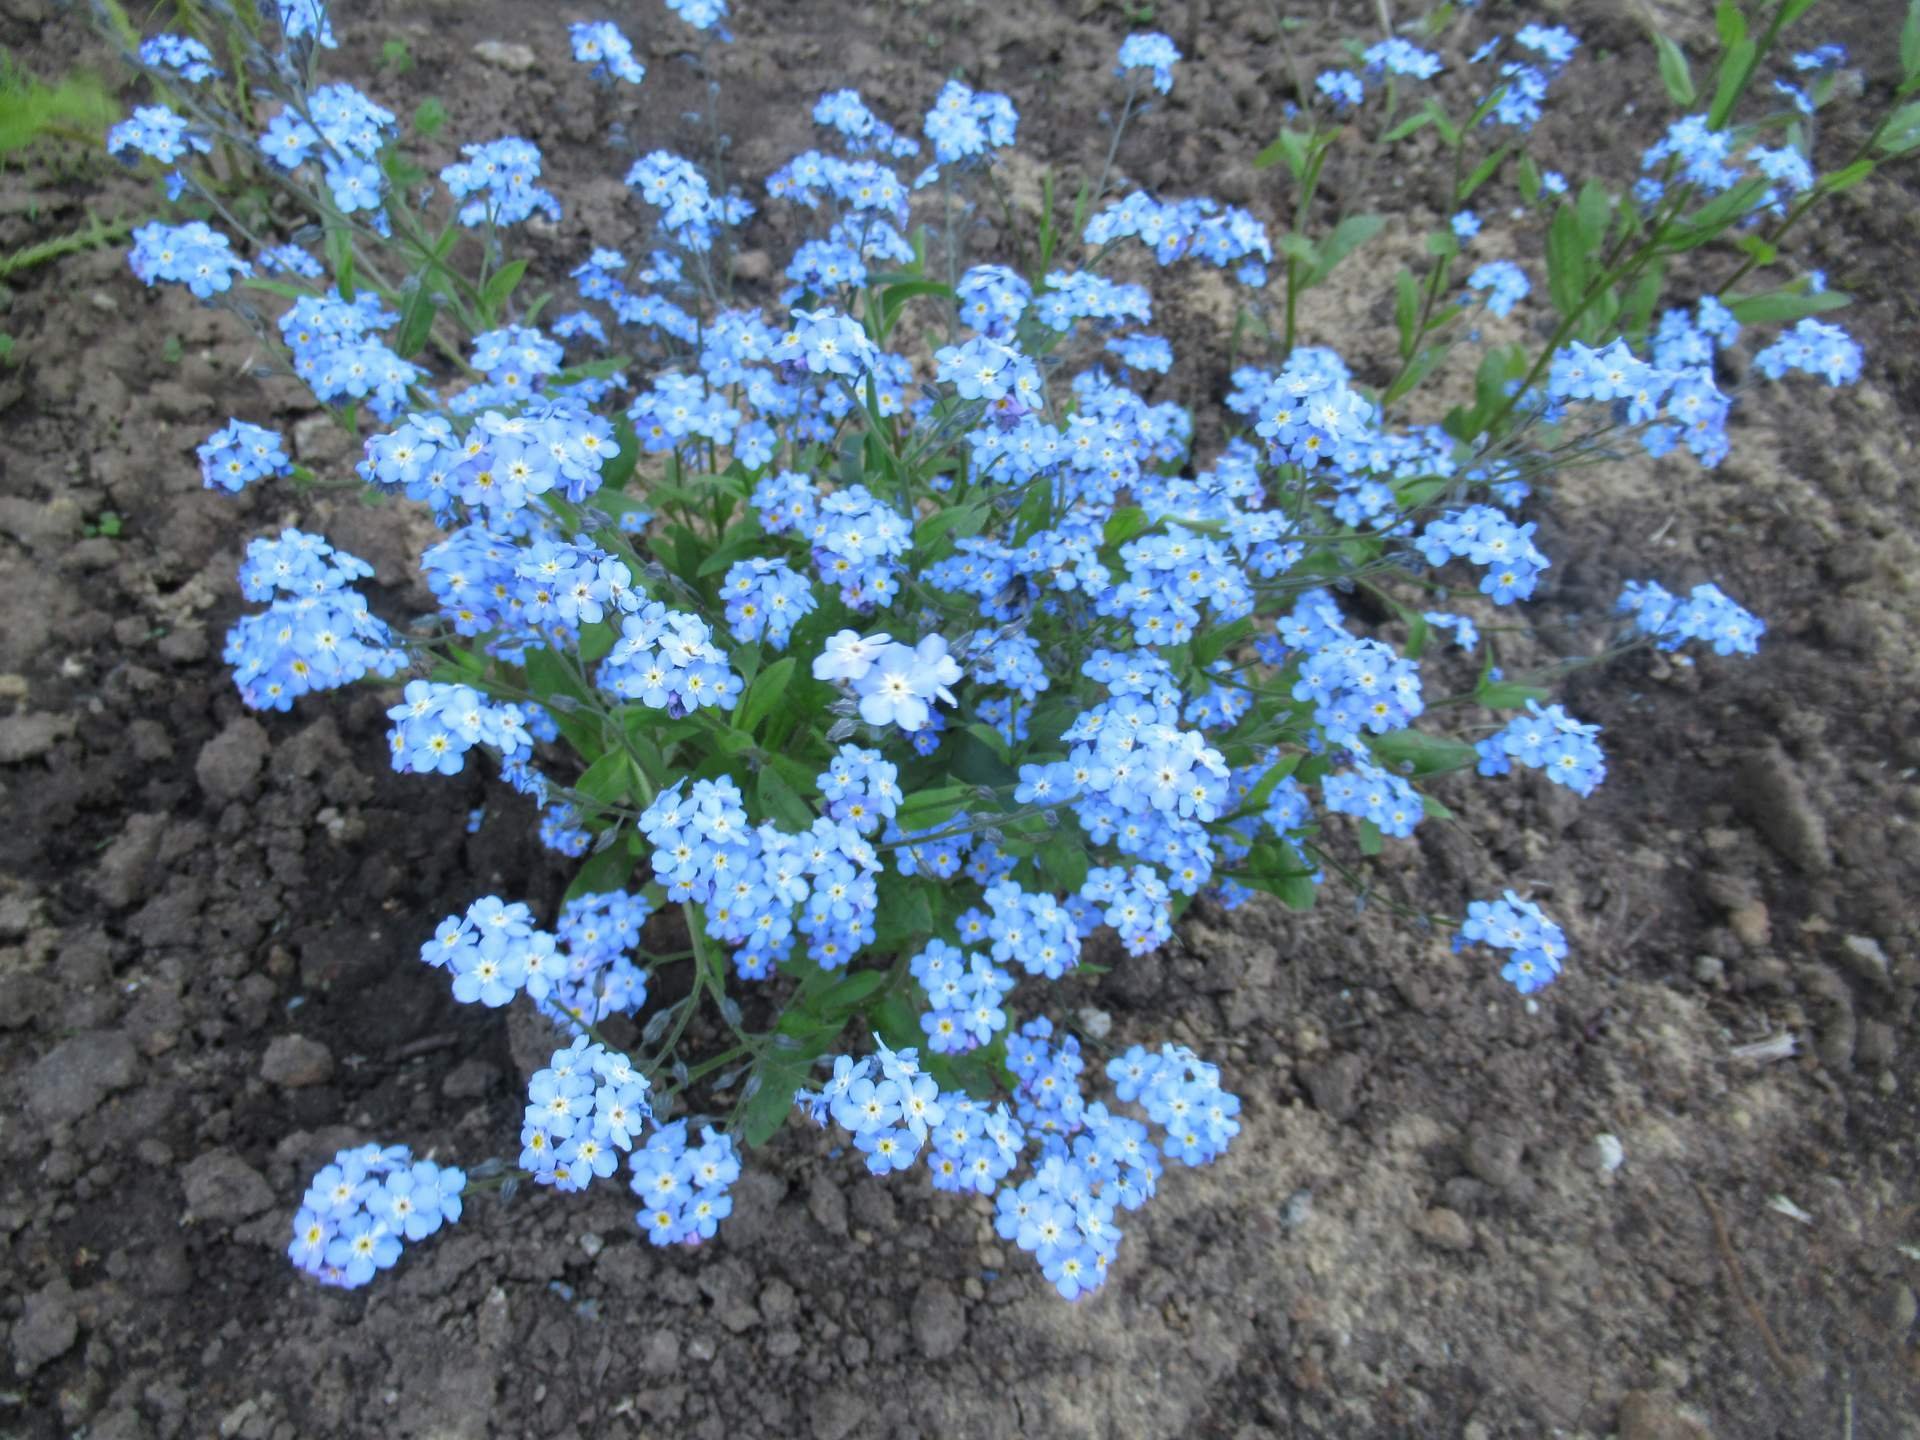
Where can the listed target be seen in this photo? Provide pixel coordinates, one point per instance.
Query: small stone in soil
(46, 1329)
(230, 764)
(1445, 1229)
(939, 1321)
(1335, 1085)
(222, 1186)
(69, 1081)
(294, 1062)
(469, 1080)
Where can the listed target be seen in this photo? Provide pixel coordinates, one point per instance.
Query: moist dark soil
(209, 920)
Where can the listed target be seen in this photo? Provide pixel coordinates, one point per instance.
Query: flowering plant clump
(885, 640)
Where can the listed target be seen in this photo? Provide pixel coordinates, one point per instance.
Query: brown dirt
(1412, 1237)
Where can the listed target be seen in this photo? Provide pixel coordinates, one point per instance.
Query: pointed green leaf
(1675, 73)
(765, 692)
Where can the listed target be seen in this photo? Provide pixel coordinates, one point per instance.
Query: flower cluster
(765, 599)
(1087, 1162)
(965, 993)
(666, 660)
(316, 634)
(359, 1211)
(578, 974)
(335, 349)
(194, 255)
(1549, 740)
(237, 454)
(1706, 614)
(955, 650)
(600, 44)
(585, 1108)
(436, 724)
(1152, 51)
(497, 182)
(1535, 944)
(683, 1188)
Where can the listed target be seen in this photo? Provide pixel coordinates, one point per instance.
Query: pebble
(1608, 1153)
(469, 1080)
(827, 1204)
(295, 1062)
(46, 1329)
(1656, 1415)
(230, 764)
(1865, 957)
(1772, 794)
(1751, 925)
(508, 55)
(27, 737)
(69, 1081)
(1493, 1156)
(1335, 1085)
(1898, 1308)
(1445, 1229)
(1297, 1211)
(222, 1186)
(939, 1320)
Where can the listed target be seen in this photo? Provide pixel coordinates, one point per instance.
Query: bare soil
(209, 920)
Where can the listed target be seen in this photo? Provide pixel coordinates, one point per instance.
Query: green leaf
(1730, 22)
(1449, 132)
(765, 692)
(1507, 694)
(1593, 209)
(1482, 173)
(1348, 236)
(1783, 307)
(608, 779)
(991, 738)
(1417, 121)
(1290, 146)
(1487, 106)
(339, 250)
(1529, 179)
(925, 809)
(1125, 523)
(500, 285)
(904, 919)
(1848, 177)
(897, 1018)
(416, 321)
(1903, 128)
(1369, 838)
(780, 801)
(1064, 858)
(838, 1000)
(1636, 310)
(783, 1068)
(1406, 310)
(1910, 42)
(1422, 366)
(1566, 260)
(1213, 641)
(1736, 68)
(894, 298)
(429, 117)
(608, 869)
(1410, 752)
(1675, 73)
(1263, 789)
